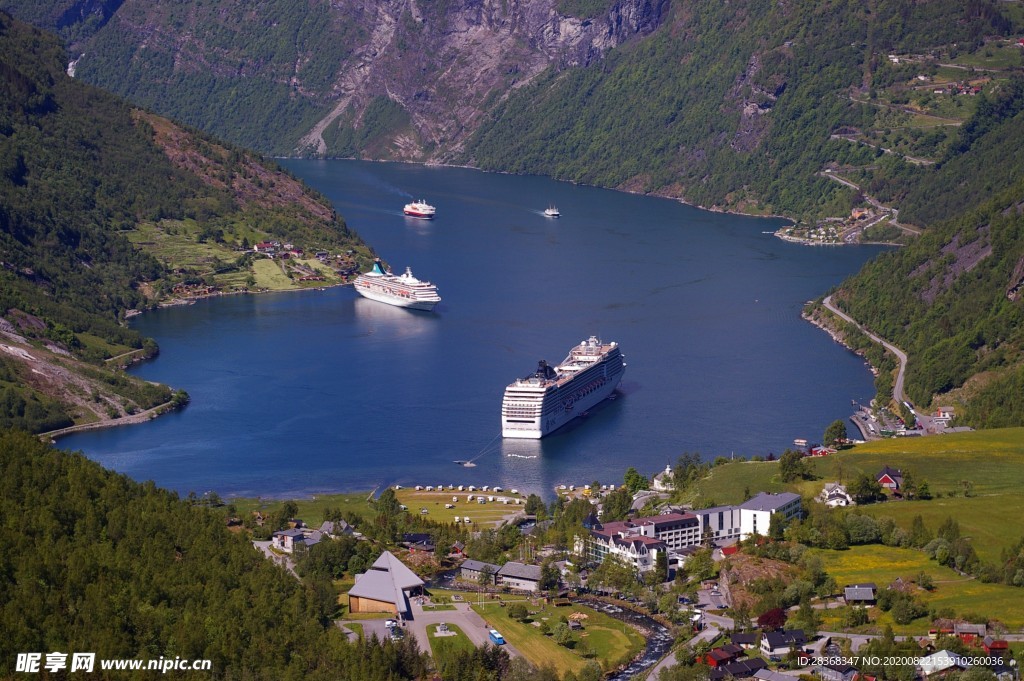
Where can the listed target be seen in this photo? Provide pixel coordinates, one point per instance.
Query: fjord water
(297, 393)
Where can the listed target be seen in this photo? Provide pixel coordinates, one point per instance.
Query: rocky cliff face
(403, 79)
(445, 64)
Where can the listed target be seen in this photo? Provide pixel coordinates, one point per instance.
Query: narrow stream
(659, 639)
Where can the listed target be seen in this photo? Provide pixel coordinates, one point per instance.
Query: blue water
(296, 393)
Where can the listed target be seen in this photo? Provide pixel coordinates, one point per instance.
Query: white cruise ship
(404, 291)
(551, 397)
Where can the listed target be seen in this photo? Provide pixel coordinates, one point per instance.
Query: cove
(298, 393)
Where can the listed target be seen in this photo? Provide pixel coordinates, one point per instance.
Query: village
(676, 570)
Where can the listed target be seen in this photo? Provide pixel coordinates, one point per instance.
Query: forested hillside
(94, 562)
(89, 192)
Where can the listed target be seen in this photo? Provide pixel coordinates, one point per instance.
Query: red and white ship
(420, 209)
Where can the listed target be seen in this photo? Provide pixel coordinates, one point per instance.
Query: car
(390, 624)
(424, 511)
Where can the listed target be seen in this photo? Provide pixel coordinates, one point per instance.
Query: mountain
(888, 118)
(106, 209)
(96, 562)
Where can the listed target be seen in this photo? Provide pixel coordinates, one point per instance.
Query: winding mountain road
(897, 388)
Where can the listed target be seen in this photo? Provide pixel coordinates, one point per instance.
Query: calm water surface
(296, 393)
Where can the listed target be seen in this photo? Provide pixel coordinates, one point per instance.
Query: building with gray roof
(519, 576)
(385, 587)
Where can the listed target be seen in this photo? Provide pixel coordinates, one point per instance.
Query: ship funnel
(546, 371)
(378, 267)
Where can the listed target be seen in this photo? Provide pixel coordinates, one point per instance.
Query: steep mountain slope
(404, 79)
(96, 562)
(81, 176)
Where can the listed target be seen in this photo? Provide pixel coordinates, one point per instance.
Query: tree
(533, 504)
(550, 575)
(772, 619)
(865, 489)
(387, 504)
(518, 611)
(635, 482)
(835, 433)
(485, 577)
(562, 634)
(616, 506)
(792, 466)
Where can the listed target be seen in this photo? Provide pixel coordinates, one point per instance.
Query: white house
(662, 482)
(835, 494)
(756, 513)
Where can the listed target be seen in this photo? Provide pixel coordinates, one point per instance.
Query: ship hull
(397, 301)
(421, 216)
(527, 416)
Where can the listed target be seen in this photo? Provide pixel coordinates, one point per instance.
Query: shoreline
(438, 164)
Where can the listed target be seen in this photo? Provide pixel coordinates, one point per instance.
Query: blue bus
(496, 638)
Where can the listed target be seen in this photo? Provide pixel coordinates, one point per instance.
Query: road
(897, 388)
(424, 624)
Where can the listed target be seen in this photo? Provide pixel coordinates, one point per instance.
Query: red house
(995, 647)
(890, 478)
(723, 655)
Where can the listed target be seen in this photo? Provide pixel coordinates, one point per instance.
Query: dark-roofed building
(890, 478)
(385, 587)
(860, 594)
(723, 655)
(519, 576)
(472, 569)
(740, 669)
(769, 675)
(336, 528)
(746, 640)
(780, 643)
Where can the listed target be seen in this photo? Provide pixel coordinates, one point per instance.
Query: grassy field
(992, 460)
(883, 564)
(311, 510)
(268, 275)
(443, 646)
(612, 641)
(434, 502)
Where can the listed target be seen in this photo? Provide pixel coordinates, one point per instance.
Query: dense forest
(79, 170)
(95, 562)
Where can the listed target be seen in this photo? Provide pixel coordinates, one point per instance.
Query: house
(723, 655)
(747, 640)
(740, 669)
(336, 528)
(860, 594)
(945, 413)
(968, 633)
(663, 482)
(769, 675)
(941, 663)
(385, 587)
(472, 569)
(286, 540)
(890, 478)
(995, 647)
(779, 643)
(264, 247)
(519, 576)
(834, 494)
(836, 672)
(821, 450)
(756, 513)
(458, 549)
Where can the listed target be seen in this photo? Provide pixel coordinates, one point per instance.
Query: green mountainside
(105, 209)
(95, 562)
(890, 118)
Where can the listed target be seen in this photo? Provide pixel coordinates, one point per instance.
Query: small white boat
(420, 209)
(551, 211)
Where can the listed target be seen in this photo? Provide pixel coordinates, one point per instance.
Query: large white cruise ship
(404, 291)
(551, 397)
